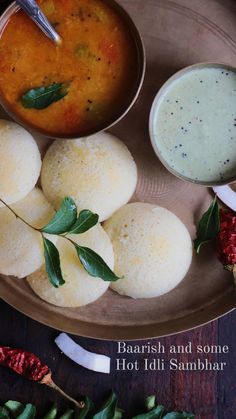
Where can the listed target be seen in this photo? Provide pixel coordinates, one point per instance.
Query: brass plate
(176, 34)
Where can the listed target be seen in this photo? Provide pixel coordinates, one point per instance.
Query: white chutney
(193, 124)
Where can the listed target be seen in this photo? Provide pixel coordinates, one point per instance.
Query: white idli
(80, 288)
(152, 247)
(21, 247)
(98, 172)
(20, 162)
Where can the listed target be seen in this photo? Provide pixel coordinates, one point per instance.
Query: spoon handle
(36, 14)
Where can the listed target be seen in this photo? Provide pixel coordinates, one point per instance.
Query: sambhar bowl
(129, 96)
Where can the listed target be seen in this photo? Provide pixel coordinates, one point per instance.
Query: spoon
(36, 14)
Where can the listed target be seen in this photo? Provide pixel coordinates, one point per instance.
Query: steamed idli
(20, 162)
(80, 288)
(21, 247)
(98, 172)
(152, 247)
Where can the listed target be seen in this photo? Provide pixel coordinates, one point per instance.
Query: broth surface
(96, 61)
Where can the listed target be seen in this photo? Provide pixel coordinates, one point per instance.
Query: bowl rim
(161, 92)
(134, 93)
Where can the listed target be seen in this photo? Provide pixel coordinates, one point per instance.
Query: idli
(152, 247)
(98, 172)
(20, 162)
(80, 288)
(21, 247)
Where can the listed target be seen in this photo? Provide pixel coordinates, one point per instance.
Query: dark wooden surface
(210, 395)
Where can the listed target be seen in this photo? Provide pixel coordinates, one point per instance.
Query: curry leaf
(108, 410)
(29, 412)
(69, 414)
(178, 415)
(83, 413)
(208, 226)
(4, 413)
(52, 413)
(52, 263)
(94, 264)
(43, 96)
(150, 402)
(156, 413)
(64, 218)
(84, 222)
(14, 407)
(118, 413)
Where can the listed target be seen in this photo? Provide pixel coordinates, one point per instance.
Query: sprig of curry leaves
(43, 96)
(67, 222)
(209, 225)
(16, 410)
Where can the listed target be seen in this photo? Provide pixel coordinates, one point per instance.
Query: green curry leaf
(208, 226)
(108, 410)
(178, 415)
(52, 263)
(156, 413)
(84, 222)
(119, 413)
(4, 413)
(14, 407)
(43, 96)
(64, 218)
(69, 414)
(52, 413)
(29, 412)
(88, 407)
(150, 402)
(94, 264)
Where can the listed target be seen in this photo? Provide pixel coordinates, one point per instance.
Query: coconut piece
(89, 360)
(226, 195)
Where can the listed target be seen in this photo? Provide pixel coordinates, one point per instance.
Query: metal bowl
(134, 90)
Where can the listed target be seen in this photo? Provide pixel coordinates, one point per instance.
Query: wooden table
(210, 395)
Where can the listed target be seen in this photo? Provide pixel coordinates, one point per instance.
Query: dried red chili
(226, 240)
(30, 366)
(23, 363)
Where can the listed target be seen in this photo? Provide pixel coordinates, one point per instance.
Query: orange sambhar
(98, 61)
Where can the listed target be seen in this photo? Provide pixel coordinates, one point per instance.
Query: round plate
(176, 34)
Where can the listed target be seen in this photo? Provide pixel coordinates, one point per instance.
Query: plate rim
(217, 308)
